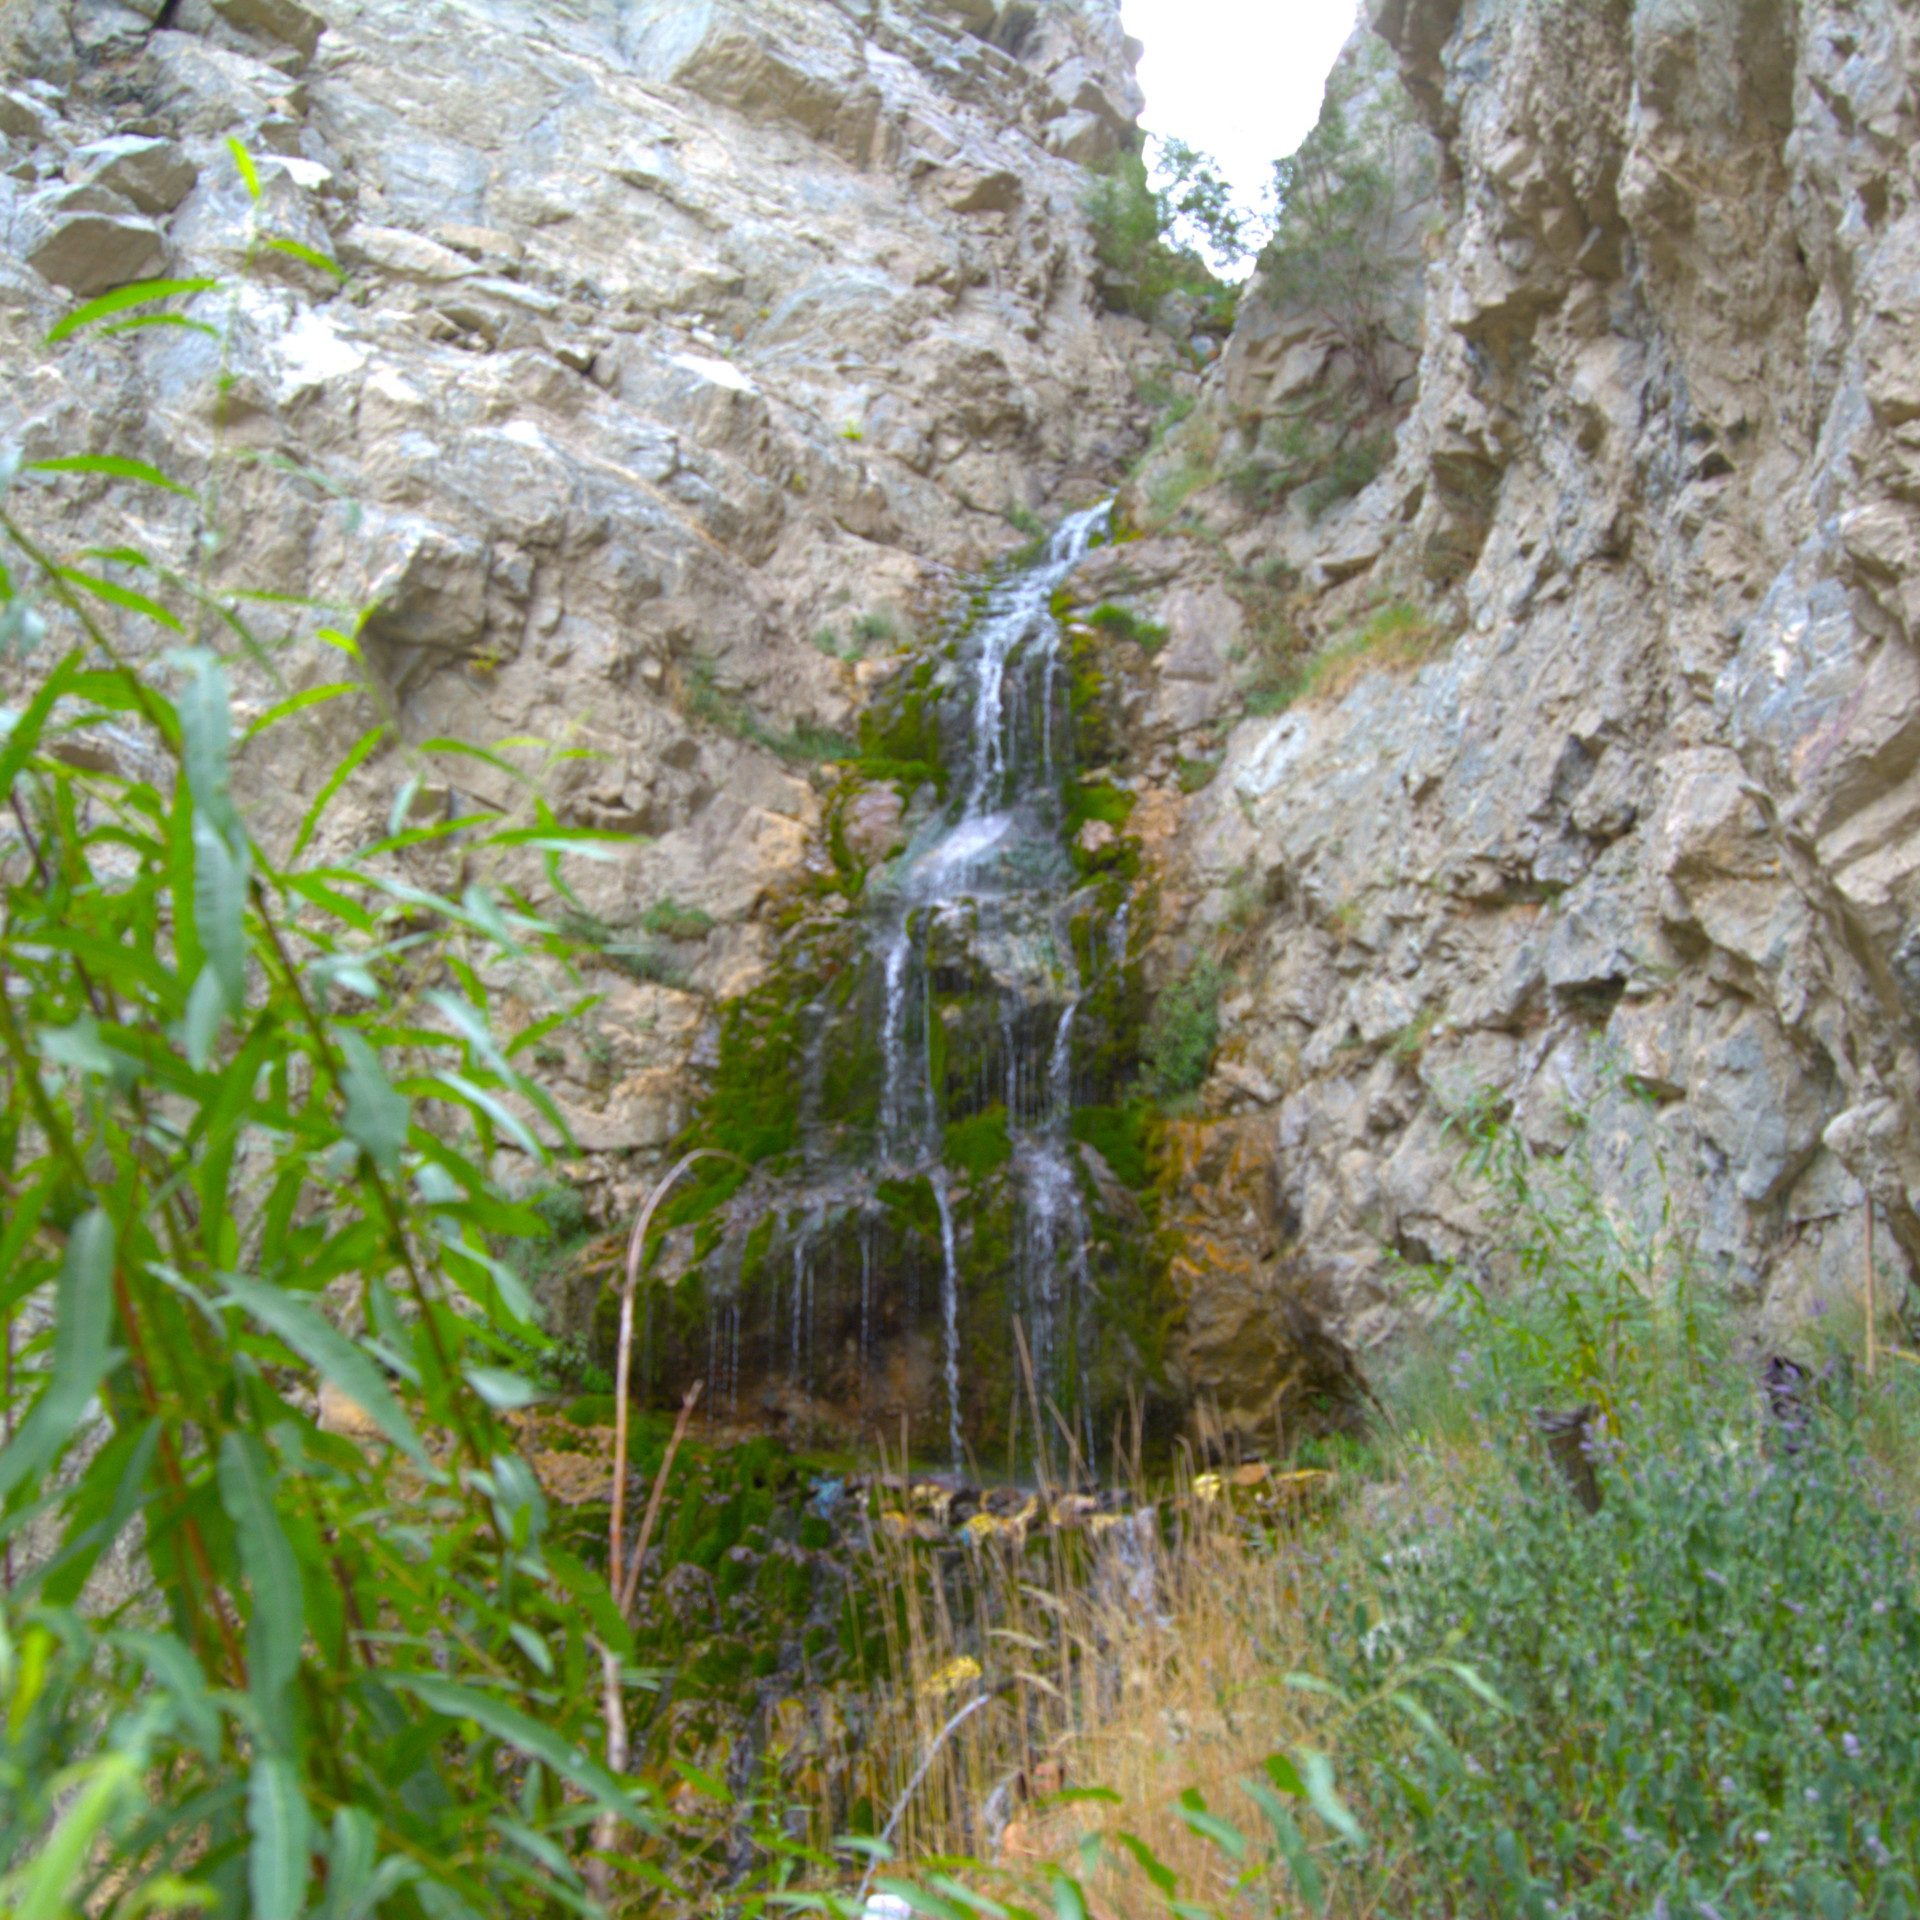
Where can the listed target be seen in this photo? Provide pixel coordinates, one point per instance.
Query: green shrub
(1344, 199)
(979, 1143)
(219, 1069)
(1135, 235)
(1713, 1688)
(1124, 624)
(1182, 1032)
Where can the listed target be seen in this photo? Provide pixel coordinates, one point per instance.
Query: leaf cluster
(1715, 1684)
(249, 1665)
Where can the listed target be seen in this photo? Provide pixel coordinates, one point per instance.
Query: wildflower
(1813, 1796)
(1850, 1744)
(1761, 1835)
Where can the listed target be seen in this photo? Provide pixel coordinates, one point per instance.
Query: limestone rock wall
(679, 351)
(1637, 848)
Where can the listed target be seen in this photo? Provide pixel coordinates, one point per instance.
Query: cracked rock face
(671, 354)
(1636, 853)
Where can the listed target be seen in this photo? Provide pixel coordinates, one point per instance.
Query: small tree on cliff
(1150, 222)
(1348, 206)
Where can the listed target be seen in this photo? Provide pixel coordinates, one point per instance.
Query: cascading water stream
(952, 1014)
(997, 866)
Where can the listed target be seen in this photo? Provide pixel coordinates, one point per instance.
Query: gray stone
(89, 241)
(286, 21)
(23, 117)
(156, 175)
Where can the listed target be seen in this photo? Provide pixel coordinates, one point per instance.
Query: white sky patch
(1239, 79)
(723, 373)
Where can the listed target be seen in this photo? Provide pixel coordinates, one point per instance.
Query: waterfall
(950, 1316)
(934, 1069)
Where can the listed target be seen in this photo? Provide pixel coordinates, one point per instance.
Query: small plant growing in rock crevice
(672, 921)
(1182, 1032)
(1122, 623)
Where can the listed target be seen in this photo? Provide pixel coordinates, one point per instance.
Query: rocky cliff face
(682, 355)
(1627, 844)
(675, 357)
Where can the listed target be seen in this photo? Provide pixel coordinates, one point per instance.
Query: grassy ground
(1434, 1682)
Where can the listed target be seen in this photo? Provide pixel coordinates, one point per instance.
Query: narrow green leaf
(281, 1829)
(277, 1622)
(350, 1860)
(1193, 1815)
(951, 1889)
(160, 320)
(297, 703)
(103, 1786)
(1405, 1704)
(1288, 1840)
(539, 1742)
(113, 466)
(78, 1047)
(24, 735)
(244, 161)
(220, 908)
(1150, 1863)
(119, 596)
(1476, 1686)
(486, 915)
(137, 294)
(329, 1352)
(177, 1674)
(1316, 1771)
(376, 1117)
(368, 743)
(311, 255)
(206, 727)
(1069, 1903)
(591, 843)
(1285, 1775)
(532, 1645)
(505, 1392)
(495, 1109)
(918, 1899)
(207, 1005)
(442, 745)
(83, 1322)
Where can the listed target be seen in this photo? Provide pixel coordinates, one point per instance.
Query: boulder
(284, 21)
(156, 175)
(89, 240)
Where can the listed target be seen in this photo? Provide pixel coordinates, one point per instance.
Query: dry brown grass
(1126, 1658)
(1396, 639)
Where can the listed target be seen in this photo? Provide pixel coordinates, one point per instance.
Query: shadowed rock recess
(1499, 693)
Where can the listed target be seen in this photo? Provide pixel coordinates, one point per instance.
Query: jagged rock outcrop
(678, 353)
(1637, 846)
